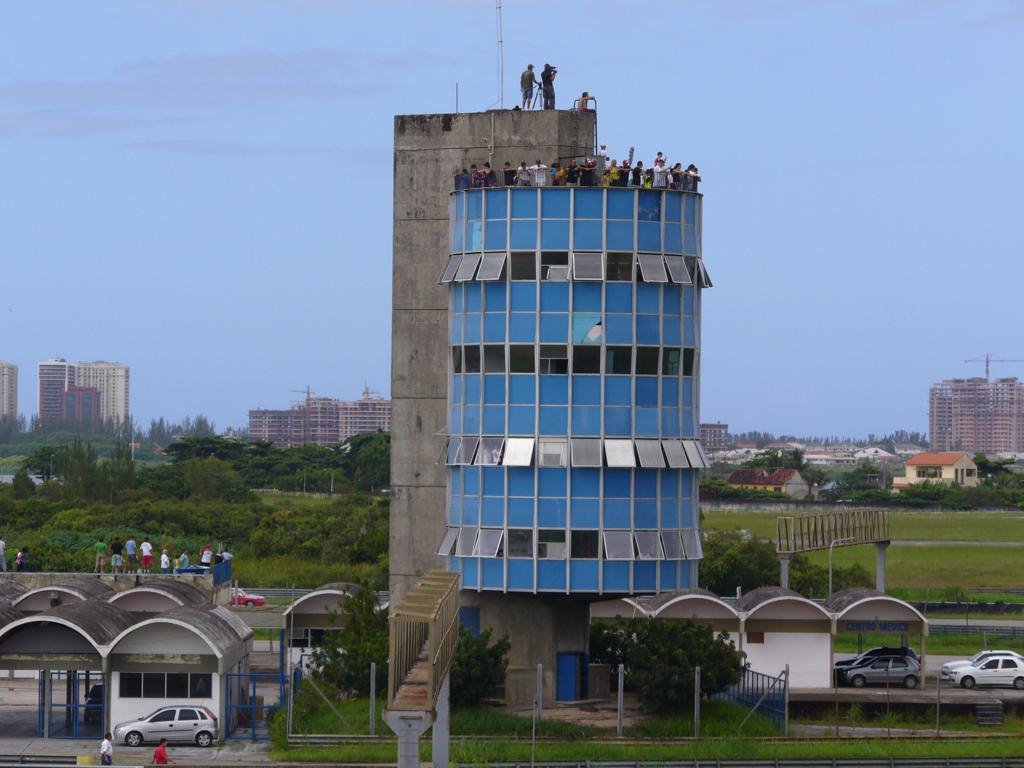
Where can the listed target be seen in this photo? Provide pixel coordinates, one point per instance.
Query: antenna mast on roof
(501, 59)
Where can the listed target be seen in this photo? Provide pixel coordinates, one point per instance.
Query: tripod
(538, 98)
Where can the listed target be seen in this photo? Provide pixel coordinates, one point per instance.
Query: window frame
(518, 452)
(616, 544)
(485, 273)
(649, 538)
(652, 267)
(589, 262)
(447, 546)
(589, 445)
(563, 453)
(472, 260)
(615, 453)
(650, 454)
(450, 269)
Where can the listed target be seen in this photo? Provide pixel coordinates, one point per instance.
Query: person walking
(106, 750)
(147, 554)
(165, 562)
(3, 556)
(526, 82)
(101, 555)
(160, 754)
(131, 549)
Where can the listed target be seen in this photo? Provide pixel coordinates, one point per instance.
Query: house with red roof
(947, 467)
(787, 481)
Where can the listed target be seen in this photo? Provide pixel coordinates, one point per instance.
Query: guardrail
(976, 629)
(819, 762)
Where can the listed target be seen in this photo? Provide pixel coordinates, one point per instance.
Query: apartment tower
(55, 376)
(977, 415)
(8, 390)
(112, 381)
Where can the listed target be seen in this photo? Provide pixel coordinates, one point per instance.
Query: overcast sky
(202, 188)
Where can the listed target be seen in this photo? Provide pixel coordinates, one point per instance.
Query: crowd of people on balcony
(596, 171)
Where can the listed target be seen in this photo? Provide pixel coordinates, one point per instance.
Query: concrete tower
(545, 394)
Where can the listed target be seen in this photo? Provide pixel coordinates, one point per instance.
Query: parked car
(188, 723)
(881, 650)
(882, 670)
(994, 670)
(241, 597)
(94, 704)
(973, 661)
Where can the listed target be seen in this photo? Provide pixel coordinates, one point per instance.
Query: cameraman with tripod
(547, 79)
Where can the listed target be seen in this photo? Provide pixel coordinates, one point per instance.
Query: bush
(478, 670)
(344, 658)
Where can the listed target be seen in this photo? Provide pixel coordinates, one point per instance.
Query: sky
(201, 189)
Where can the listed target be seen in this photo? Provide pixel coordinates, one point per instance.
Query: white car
(975, 660)
(995, 670)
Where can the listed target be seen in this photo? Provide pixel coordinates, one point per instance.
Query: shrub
(479, 667)
(344, 657)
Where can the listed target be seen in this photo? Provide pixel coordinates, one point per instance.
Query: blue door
(569, 676)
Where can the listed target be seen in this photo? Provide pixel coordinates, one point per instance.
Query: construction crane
(988, 360)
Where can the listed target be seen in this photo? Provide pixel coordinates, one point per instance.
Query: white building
(112, 380)
(8, 390)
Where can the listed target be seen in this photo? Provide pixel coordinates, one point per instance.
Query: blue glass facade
(574, 335)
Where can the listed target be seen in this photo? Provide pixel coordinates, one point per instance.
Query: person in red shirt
(160, 753)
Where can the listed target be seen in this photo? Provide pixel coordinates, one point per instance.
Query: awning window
(451, 268)
(552, 452)
(677, 270)
(648, 545)
(650, 453)
(492, 266)
(587, 266)
(467, 268)
(488, 543)
(618, 545)
(652, 268)
(518, 452)
(467, 451)
(489, 453)
(467, 541)
(673, 545)
(586, 452)
(675, 454)
(619, 453)
(447, 548)
(692, 547)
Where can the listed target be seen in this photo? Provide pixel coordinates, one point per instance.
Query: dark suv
(881, 650)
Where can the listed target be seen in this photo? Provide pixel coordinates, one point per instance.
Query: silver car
(883, 670)
(193, 724)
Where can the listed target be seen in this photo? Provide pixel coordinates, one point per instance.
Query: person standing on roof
(147, 554)
(539, 173)
(526, 82)
(547, 79)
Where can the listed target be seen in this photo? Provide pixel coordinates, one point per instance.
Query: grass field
(936, 568)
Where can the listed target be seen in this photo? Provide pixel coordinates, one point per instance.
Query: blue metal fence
(766, 694)
(245, 711)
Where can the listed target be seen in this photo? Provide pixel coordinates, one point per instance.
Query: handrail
(817, 529)
(423, 633)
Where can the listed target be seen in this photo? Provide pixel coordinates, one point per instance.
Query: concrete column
(408, 726)
(784, 561)
(440, 739)
(880, 547)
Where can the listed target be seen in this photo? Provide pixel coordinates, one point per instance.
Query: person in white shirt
(147, 554)
(165, 562)
(603, 152)
(540, 174)
(106, 750)
(660, 174)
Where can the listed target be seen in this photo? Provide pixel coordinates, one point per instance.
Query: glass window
(471, 359)
(523, 266)
(199, 685)
(588, 204)
(524, 204)
(467, 541)
(519, 452)
(492, 266)
(673, 545)
(451, 269)
(703, 278)
(703, 456)
(649, 208)
(552, 452)
(550, 544)
(677, 270)
(520, 542)
(154, 685)
(587, 266)
(586, 359)
(456, 359)
(488, 543)
(675, 454)
(467, 268)
(586, 452)
(650, 453)
(163, 716)
(620, 267)
(489, 453)
(453, 450)
(177, 685)
(670, 362)
(494, 358)
(648, 545)
(618, 360)
(521, 358)
(618, 545)
(554, 265)
(691, 543)
(584, 544)
(554, 358)
(130, 686)
(619, 453)
(652, 268)
(188, 714)
(448, 542)
(467, 451)
(587, 328)
(899, 664)
(688, 358)
(1007, 664)
(646, 361)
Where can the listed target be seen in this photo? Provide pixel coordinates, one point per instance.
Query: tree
(736, 559)
(344, 657)
(22, 486)
(479, 667)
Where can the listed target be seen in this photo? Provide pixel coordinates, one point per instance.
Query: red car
(241, 597)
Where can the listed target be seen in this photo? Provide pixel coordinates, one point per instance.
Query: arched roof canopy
(95, 623)
(619, 608)
(778, 603)
(10, 590)
(8, 613)
(860, 606)
(158, 596)
(699, 605)
(73, 590)
(186, 629)
(316, 609)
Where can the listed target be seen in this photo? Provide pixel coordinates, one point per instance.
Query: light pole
(846, 540)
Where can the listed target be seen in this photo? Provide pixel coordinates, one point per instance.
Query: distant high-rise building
(8, 390)
(976, 415)
(370, 414)
(112, 381)
(321, 420)
(82, 405)
(55, 376)
(715, 436)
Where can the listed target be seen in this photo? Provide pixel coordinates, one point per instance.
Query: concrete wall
(132, 709)
(428, 150)
(807, 653)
